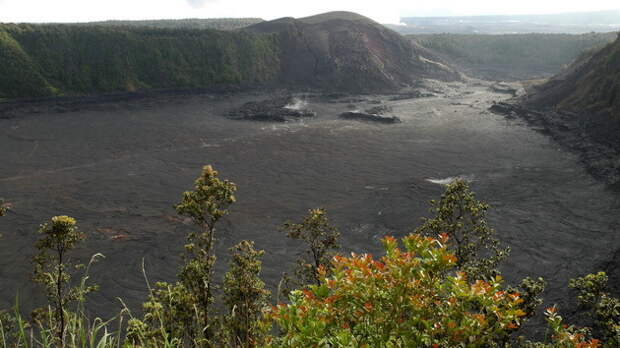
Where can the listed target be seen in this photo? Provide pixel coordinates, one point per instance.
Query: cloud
(195, 3)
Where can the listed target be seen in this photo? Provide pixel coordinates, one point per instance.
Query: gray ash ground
(119, 167)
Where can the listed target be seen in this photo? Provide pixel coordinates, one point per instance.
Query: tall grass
(80, 331)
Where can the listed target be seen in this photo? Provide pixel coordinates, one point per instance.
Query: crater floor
(119, 167)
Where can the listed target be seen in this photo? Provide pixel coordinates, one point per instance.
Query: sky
(384, 11)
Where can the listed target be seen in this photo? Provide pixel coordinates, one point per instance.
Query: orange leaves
(480, 288)
(337, 259)
(349, 273)
(512, 326)
(443, 238)
(480, 318)
(331, 299)
(389, 240)
(593, 343)
(449, 258)
(331, 283)
(551, 311)
(303, 309)
(308, 294)
(379, 265)
(498, 296)
(410, 288)
(322, 271)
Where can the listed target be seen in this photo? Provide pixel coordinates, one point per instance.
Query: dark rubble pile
(280, 109)
(364, 116)
(379, 109)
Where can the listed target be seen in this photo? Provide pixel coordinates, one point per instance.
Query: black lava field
(118, 168)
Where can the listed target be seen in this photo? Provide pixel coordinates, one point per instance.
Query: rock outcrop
(279, 109)
(364, 116)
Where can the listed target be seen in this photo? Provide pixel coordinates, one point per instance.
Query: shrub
(405, 299)
(182, 311)
(245, 297)
(564, 336)
(604, 308)
(53, 270)
(321, 239)
(3, 207)
(463, 219)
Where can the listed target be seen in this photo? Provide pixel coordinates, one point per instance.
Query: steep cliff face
(348, 52)
(51, 60)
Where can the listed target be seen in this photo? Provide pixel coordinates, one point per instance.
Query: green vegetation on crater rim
(339, 51)
(188, 23)
(55, 60)
(512, 56)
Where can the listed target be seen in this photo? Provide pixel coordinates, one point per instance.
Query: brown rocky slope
(344, 51)
(589, 91)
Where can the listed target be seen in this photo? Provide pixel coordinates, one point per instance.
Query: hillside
(188, 23)
(580, 109)
(348, 52)
(590, 89)
(512, 57)
(52, 60)
(337, 51)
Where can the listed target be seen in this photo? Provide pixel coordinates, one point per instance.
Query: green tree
(321, 240)
(182, 311)
(463, 219)
(53, 268)
(245, 297)
(205, 205)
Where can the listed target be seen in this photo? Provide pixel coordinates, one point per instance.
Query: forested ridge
(188, 23)
(337, 51)
(55, 60)
(520, 55)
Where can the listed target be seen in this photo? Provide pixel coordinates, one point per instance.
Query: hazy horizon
(389, 11)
